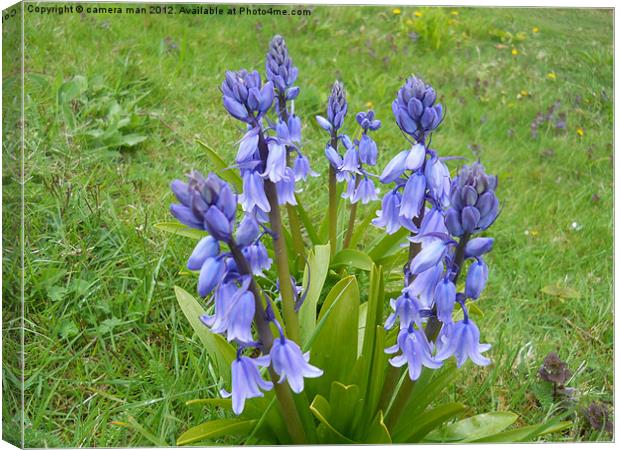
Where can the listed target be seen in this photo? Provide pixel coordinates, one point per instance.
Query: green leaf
(527, 433)
(430, 420)
(387, 244)
(344, 402)
(222, 168)
(361, 230)
(560, 291)
(219, 402)
(180, 229)
(129, 140)
(72, 89)
(321, 409)
(335, 346)
(354, 258)
(216, 428)
(221, 353)
(315, 272)
(308, 225)
(378, 432)
(473, 428)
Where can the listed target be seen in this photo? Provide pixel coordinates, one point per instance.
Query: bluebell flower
(423, 285)
(234, 311)
(254, 192)
(286, 188)
(478, 246)
(279, 66)
(413, 196)
(334, 158)
(206, 203)
(367, 150)
(476, 280)
(432, 252)
(276, 166)
(438, 180)
(365, 191)
(367, 120)
(247, 381)
(211, 274)
(415, 110)
(258, 258)
(462, 340)
(350, 162)
(291, 365)
(388, 216)
(243, 96)
(247, 231)
(473, 204)
(207, 247)
(406, 310)
(445, 298)
(337, 106)
(301, 168)
(395, 168)
(415, 352)
(415, 157)
(248, 146)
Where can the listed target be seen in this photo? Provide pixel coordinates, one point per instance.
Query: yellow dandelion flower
(579, 131)
(454, 13)
(551, 76)
(369, 105)
(396, 11)
(524, 93)
(515, 52)
(535, 30)
(417, 14)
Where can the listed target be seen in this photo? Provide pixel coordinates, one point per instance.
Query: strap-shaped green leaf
(316, 272)
(387, 244)
(321, 409)
(308, 225)
(221, 353)
(527, 433)
(345, 400)
(427, 422)
(214, 429)
(180, 229)
(378, 433)
(335, 340)
(473, 428)
(222, 168)
(354, 258)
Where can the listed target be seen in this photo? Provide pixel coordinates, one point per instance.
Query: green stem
(293, 217)
(333, 202)
(352, 214)
(400, 402)
(289, 411)
(291, 322)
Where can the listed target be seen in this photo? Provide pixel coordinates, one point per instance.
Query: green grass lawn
(110, 360)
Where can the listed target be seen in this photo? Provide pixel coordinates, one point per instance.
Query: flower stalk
(280, 254)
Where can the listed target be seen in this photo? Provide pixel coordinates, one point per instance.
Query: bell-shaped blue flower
(462, 340)
(477, 277)
(207, 247)
(394, 168)
(413, 196)
(291, 365)
(247, 381)
(211, 274)
(445, 297)
(248, 230)
(415, 352)
(254, 192)
(365, 191)
(406, 310)
(388, 216)
(367, 150)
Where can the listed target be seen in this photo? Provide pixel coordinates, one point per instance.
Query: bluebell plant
(244, 242)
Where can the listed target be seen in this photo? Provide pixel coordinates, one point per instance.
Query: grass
(110, 360)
